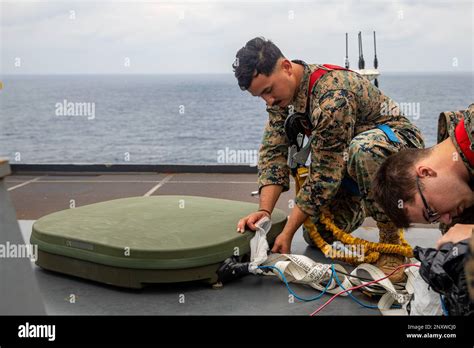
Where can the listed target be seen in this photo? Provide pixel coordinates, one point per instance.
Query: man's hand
(282, 243)
(250, 221)
(455, 234)
(268, 197)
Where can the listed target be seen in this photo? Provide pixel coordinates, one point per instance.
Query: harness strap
(318, 73)
(350, 185)
(464, 142)
(389, 133)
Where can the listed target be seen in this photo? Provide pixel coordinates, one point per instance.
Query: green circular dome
(158, 232)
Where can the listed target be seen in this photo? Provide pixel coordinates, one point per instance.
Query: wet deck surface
(34, 196)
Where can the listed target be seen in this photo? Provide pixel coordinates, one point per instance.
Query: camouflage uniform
(345, 109)
(446, 126)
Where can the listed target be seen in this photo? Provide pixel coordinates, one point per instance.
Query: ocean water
(171, 119)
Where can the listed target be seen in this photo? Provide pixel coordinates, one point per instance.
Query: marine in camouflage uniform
(345, 110)
(447, 123)
(446, 128)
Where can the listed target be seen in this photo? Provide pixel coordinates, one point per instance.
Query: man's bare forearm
(296, 219)
(269, 195)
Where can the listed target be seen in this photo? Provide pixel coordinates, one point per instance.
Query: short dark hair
(258, 56)
(396, 180)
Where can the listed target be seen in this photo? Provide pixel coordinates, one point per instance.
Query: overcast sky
(203, 36)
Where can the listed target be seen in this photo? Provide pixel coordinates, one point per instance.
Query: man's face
(444, 194)
(278, 88)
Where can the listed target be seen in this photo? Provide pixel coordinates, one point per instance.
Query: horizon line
(218, 73)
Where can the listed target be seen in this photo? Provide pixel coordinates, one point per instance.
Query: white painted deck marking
(23, 184)
(161, 183)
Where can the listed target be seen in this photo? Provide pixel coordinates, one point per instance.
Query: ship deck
(35, 193)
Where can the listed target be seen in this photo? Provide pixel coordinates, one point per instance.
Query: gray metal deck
(36, 195)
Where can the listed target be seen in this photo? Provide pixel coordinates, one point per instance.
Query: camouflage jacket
(447, 123)
(342, 105)
(446, 128)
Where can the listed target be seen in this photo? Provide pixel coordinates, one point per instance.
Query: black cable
(366, 279)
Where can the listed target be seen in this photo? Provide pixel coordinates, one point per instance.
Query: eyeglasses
(430, 215)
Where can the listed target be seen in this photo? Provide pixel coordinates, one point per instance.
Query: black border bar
(242, 330)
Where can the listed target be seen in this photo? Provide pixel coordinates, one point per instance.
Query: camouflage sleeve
(469, 123)
(333, 129)
(447, 120)
(273, 154)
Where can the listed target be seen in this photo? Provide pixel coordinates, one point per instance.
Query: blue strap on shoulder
(389, 133)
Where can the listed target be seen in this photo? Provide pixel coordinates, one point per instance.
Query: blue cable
(336, 278)
(352, 296)
(443, 306)
(349, 292)
(293, 293)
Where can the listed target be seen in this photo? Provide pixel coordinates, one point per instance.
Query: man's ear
(286, 66)
(424, 171)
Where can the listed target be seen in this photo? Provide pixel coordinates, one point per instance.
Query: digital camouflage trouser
(367, 151)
